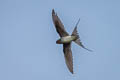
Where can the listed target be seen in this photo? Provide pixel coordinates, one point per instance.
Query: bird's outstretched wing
(58, 25)
(68, 56)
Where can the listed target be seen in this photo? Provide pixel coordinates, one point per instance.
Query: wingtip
(72, 72)
(53, 11)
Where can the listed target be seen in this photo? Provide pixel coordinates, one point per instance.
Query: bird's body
(66, 40)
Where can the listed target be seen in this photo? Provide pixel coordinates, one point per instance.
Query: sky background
(28, 49)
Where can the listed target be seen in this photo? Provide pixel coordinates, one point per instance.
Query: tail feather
(78, 41)
(75, 33)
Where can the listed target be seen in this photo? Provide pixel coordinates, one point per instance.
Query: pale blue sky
(28, 49)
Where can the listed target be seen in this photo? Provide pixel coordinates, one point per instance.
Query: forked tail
(77, 41)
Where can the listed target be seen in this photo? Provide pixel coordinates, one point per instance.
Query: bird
(66, 40)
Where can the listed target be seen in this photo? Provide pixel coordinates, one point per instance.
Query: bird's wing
(68, 56)
(58, 25)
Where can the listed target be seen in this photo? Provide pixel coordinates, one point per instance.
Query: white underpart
(67, 39)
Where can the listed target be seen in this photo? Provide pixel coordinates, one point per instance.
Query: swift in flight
(66, 40)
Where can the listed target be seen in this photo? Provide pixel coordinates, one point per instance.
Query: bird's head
(58, 41)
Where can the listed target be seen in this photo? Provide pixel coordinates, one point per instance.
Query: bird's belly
(67, 39)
